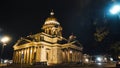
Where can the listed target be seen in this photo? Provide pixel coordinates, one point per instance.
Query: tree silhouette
(115, 49)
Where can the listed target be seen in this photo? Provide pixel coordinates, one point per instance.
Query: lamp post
(115, 10)
(4, 40)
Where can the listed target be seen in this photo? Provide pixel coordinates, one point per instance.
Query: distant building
(48, 46)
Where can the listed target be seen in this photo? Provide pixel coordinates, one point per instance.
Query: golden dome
(51, 19)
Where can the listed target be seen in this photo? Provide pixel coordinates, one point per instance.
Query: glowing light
(115, 9)
(111, 59)
(119, 57)
(52, 22)
(99, 59)
(5, 61)
(70, 51)
(22, 52)
(99, 63)
(87, 60)
(52, 13)
(5, 39)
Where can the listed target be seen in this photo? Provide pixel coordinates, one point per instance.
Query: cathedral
(48, 47)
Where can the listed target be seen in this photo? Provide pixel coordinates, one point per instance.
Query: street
(105, 65)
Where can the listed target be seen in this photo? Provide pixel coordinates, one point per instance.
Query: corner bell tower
(52, 26)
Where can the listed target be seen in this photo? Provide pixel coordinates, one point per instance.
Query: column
(63, 56)
(72, 59)
(77, 56)
(33, 54)
(25, 55)
(69, 59)
(27, 59)
(30, 54)
(38, 54)
(19, 56)
(14, 56)
(66, 55)
(74, 55)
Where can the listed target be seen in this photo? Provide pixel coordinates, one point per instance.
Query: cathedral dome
(51, 19)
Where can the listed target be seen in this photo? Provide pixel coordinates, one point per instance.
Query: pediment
(22, 41)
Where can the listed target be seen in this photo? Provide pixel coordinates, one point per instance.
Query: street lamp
(4, 40)
(115, 10)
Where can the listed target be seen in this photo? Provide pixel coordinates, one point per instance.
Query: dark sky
(19, 18)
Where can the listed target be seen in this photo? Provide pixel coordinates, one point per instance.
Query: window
(41, 38)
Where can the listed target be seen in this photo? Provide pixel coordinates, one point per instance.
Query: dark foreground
(62, 66)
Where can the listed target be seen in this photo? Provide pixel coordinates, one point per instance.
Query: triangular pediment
(22, 41)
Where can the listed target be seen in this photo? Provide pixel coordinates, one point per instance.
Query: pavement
(3, 65)
(105, 65)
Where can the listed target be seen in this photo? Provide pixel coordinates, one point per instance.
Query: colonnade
(33, 54)
(71, 56)
(26, 55)
(53, 31)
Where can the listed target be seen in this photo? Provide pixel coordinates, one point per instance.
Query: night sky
(19, 18)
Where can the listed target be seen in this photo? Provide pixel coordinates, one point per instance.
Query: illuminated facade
(48, 46)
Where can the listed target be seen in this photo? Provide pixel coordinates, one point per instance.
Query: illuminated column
(72, 59)
(74, 56)
(47, 30)
(43, 54)
(19, 56)
(14, 56)
(38, 54)
(63, 54)
(25, 55)
(66, 53)
(30, 54)
(77, 56)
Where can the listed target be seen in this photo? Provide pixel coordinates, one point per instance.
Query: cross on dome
(52, 13)
(51, 19)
